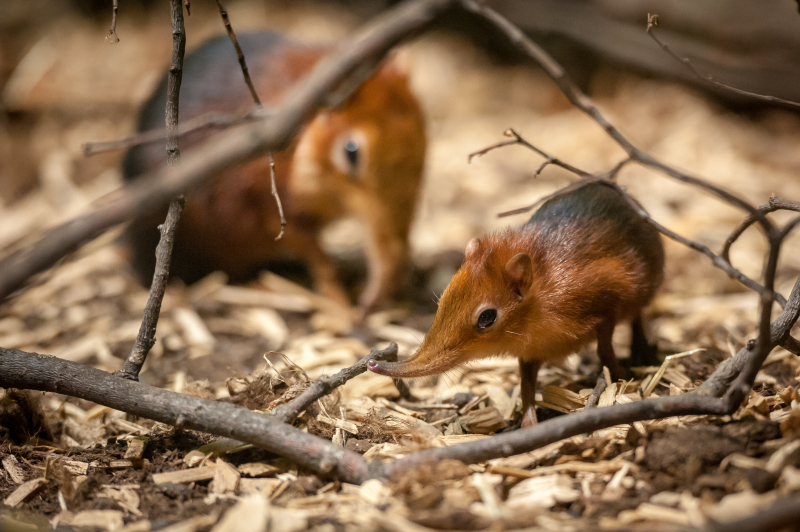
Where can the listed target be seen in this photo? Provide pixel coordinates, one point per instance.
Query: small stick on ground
(599, 388)
(327, 383)
(147, 332)
(47, 373)
(111, 36)
(652, 22)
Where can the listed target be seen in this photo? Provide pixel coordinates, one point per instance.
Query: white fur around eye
(349, 153)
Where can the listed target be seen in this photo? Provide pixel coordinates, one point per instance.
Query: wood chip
(483, 420)
(603, 467)
(263, 486)
(347, 426)
(75, 467)
(136, 448)
(194, 330)
(128, 426)
(250, 514)
(24, 491)
(543, 492)
(241, 296)
(184, 476)
(258, 469)
(226, 478)
(391, 405)
(194, 458)
(14, 469)
(193, 524)
(103, 519)
(562, 397)
(269, 324)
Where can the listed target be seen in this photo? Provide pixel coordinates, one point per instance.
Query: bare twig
(242, 63)
(174, 78)
(146, 194)
(718, 261)
(517, 139)
(46, 373)
(152, 310)
(276, 196)
(327, 383)
(774, 204)
(111, 36)
(188, 5)
(246, 73)
(147, 331)
(580, 100)
(599, 388)
(652, 22)
(723, 263)
(208, 120)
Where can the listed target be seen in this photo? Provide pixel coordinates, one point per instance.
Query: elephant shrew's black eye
(487, 317)
(351, 152)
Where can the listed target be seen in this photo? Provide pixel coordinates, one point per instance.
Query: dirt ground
(64, 86)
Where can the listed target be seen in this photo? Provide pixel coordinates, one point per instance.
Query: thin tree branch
(152, 310)
(719, 381)
(207, 120)
(518, 139)
(242, 63)
(774, 204)
(249, 82)
(111, 36)
(276, 196)
(580, 100)
(47, 373)
(723, 263)
(146, 194)
(652, 22)
(599, 388)
(327, 383)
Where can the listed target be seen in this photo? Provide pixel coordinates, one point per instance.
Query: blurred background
(62, 85)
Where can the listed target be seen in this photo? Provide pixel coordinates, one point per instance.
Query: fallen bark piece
(251, 514)
(544, 492)
(655, 512)
(184, 476)
(258, 469)
(226, 478)
(347, 426)
(193, 524)
(14, 470)
(136, 448)
(483, 420)
(75, 467)
(102, 519)
(194, 458)
(26, 490)
(261, 486)
(120, 464)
